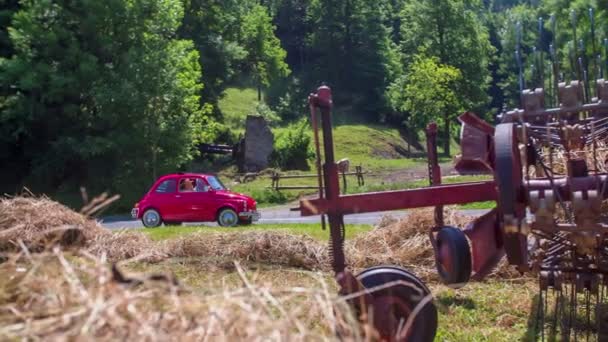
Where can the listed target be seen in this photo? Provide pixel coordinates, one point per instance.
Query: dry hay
(256, 246)
(58, 297)
(560, 157)
(126, 245)
(38, 222)
(405, 242)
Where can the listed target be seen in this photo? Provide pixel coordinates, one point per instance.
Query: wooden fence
(277, 177)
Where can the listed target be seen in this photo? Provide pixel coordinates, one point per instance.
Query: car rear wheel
(151, 218)
(227, 218)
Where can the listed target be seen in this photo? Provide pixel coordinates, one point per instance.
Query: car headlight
(244, 205)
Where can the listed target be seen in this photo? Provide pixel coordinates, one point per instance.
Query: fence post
(275, 180)
(360, 180)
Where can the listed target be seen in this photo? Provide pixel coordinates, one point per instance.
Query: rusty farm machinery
(550, 181)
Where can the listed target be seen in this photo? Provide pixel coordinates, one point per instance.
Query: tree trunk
(446, 144)
(259, 92)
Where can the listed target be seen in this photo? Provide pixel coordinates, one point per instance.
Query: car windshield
(215, 183)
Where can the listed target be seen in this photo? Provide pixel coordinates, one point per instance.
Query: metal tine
(606, 55)
(599, 305)
(571, 58)
(540, 68)
(554, 61)
(588, 304)
(518, 59)
(540, 319)
(574, 41)
(593, 45)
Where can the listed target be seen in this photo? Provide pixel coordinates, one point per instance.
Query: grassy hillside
(236, 104)
(379, 149)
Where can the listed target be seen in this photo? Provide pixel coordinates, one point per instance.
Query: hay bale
(39, 222)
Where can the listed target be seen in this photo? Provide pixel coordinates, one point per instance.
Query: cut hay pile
(268, 247)
(36, 223)
(404, 242)
(50, 297)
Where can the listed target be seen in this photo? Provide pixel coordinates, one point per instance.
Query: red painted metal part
(434, 171)
(487, 247)
(476, 138)
(450, 194)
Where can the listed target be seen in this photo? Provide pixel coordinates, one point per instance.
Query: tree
(570, 44)
(451, 31)
(103, 95)
(265, 56)
(215, 28)
(293, 28)
(524, 17)
(352, 51)
(7, 9)
(427, 92)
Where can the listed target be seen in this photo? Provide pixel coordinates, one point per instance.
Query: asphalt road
(281, 215)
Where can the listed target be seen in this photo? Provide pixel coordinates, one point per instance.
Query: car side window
(166, 187)
(193, 184)
(201, 186)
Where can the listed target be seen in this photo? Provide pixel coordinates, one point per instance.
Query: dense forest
(110, 94)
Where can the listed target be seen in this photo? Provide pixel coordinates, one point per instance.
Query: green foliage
(214, 27)
(292, 148)
(352, 49)
(507, 22)
(428, 92)
(109, 100)
(267, 113)
(266, 57)
(7, 10)
(452, 31)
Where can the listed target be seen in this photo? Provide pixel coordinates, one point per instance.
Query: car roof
(184, 174)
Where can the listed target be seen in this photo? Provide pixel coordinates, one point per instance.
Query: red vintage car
(192, 197)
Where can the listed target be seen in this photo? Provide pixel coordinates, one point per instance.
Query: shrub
(292, 149)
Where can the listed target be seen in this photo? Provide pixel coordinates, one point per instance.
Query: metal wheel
(227, 218)
(453, 257)
(151, 218)
(509, 179)
(393, 306)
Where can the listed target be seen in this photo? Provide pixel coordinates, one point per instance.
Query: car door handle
(178, 196)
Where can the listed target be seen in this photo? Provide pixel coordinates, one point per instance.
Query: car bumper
(253, 215)
(134, 213)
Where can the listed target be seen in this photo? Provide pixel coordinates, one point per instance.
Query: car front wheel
(151, 218)
(227, 218)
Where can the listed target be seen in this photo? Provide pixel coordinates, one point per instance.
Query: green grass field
(378, 149)
(312, 230)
